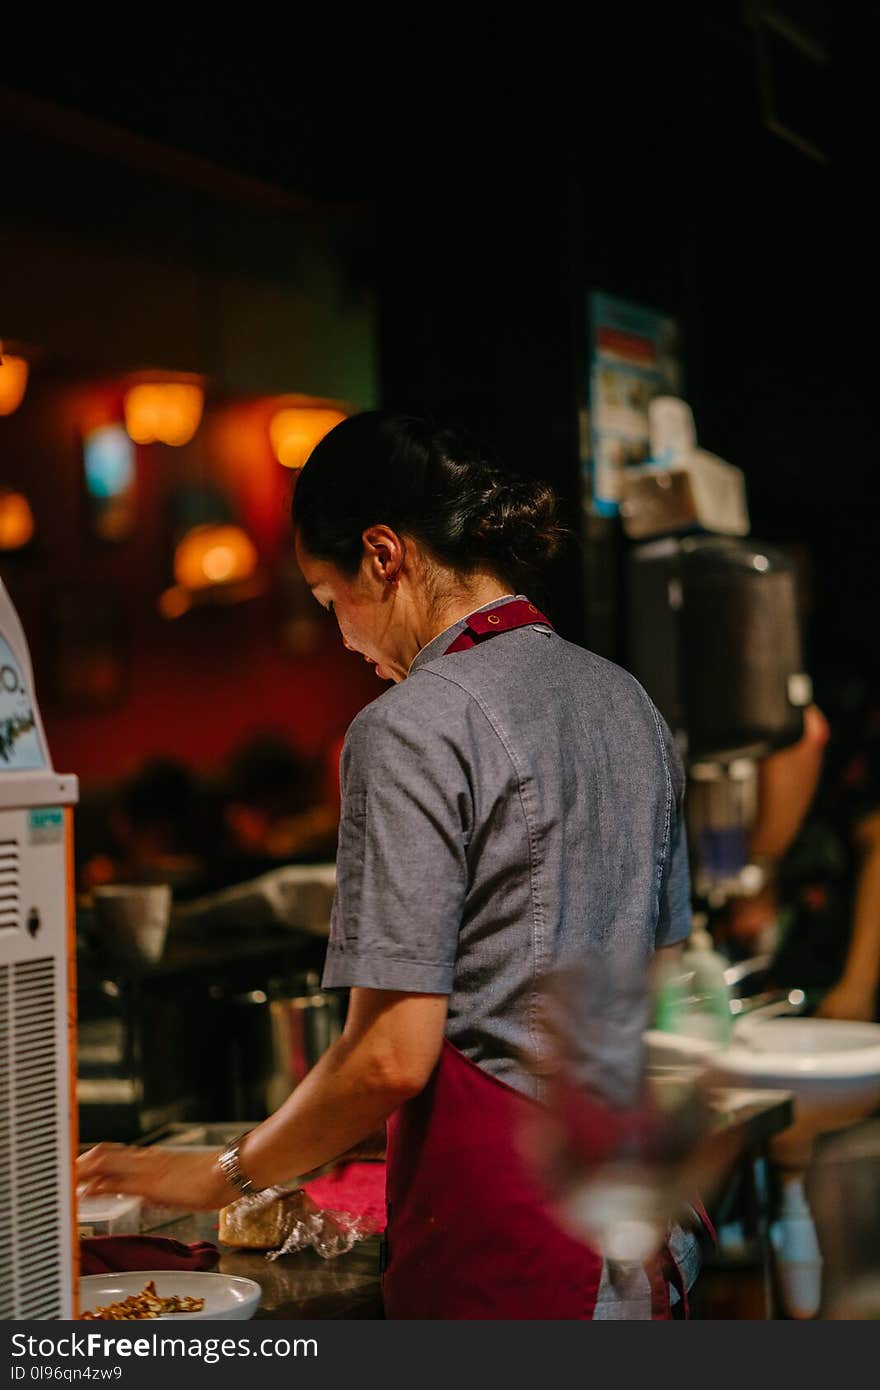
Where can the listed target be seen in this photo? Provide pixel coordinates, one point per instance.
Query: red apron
(470, 1234)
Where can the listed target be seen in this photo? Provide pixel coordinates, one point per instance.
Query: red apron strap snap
(507, 618)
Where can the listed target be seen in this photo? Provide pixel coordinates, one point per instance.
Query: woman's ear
(384, 549)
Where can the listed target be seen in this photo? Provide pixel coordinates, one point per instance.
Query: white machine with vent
(38, 1249)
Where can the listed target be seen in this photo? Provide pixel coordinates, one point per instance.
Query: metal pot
(303, 1028)
(279, 1035)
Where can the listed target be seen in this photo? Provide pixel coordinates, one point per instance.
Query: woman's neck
(480, 590)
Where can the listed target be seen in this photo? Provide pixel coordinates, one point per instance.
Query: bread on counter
(264, 1221)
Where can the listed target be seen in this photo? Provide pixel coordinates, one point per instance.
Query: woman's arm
(386, 1055)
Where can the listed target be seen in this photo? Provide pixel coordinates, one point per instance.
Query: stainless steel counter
(297, 1286)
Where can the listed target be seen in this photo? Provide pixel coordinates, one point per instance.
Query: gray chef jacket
(509, 812)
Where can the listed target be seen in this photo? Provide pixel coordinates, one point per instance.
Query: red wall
(197, 685)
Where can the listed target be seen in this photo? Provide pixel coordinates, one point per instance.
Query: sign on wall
(634, 356)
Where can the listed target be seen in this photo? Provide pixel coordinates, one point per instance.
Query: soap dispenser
(709, 990)
(706, 994)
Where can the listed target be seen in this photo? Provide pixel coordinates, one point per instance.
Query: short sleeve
(401, 869)
(674, 922)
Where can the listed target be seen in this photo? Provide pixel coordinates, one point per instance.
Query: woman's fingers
(87, 1161)
(190, 1181)
(105, 1159)
(113, 1168)
(93, 1167)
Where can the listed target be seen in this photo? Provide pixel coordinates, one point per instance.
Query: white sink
(832, 1070)
(831, 1067)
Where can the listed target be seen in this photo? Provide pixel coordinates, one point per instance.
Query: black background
(515, 163)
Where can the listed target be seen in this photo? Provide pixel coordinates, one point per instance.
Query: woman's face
(366, 608)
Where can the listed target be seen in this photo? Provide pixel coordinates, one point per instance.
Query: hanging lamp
(13, 381)
(16, 520)
(295, 430)
(163, 412)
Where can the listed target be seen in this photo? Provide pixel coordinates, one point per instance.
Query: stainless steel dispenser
(714, 636)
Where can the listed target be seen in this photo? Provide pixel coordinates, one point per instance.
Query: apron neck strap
(489, 622)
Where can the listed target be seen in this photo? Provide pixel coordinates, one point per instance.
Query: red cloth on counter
(114, 1254)
(355, 1188)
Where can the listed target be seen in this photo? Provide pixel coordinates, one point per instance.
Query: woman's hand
(193, 1182)
(751, 921)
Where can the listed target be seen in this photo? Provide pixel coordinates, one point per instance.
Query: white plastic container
(108, 1215)
(133, 919)
(798, 1258)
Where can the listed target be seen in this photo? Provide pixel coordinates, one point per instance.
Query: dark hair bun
(517, 517)
(427, 482)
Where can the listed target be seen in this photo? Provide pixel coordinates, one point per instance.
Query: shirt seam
(385, 955)
(664, 856)
(538, 915)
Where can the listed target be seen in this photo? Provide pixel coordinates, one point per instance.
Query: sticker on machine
(19, 743)
(45, 825)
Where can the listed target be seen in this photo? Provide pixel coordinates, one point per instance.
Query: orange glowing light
(294, 432)
(174, 602)
(214, 554)
(13, 382)
(16, 520)
(167, 412)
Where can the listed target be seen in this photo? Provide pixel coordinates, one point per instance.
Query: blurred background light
(108, 455)
(214, 554)
(16, 520)
(166, 412)
(13, 382)
(294, 432)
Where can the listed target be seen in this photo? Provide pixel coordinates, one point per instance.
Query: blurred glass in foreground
(623, 1156)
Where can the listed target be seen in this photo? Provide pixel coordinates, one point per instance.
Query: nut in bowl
(167, 1294)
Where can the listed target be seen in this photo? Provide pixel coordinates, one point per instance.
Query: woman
(509, 808)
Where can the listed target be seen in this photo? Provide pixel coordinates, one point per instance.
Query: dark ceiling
(721, 153)
(340, 115)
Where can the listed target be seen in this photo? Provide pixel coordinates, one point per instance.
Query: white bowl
(227, 1296)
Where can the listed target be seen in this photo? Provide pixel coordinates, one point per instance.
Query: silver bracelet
(230, 1166)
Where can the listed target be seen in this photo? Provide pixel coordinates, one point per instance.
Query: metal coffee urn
(713, 634)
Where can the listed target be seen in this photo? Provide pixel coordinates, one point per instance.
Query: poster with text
(634, 355)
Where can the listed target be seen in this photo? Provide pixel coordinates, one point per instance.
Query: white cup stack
(132, 919)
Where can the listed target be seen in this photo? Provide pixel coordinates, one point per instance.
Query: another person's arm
(787, 782)
(386, 1054)
(854, 996)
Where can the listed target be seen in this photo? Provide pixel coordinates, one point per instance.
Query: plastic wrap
(282, 1222)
